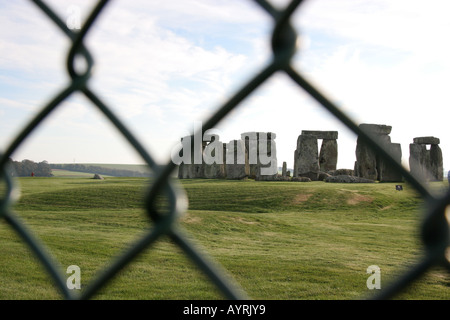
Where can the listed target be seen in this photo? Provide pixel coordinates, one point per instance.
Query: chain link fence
(434, 229)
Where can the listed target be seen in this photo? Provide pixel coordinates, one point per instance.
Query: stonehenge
(284, 170)
(254, 156)
(236, 164)
(426, 164)
(261, 155)
(369, 165)
(308, 161)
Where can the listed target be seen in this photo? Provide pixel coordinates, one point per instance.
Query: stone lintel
(380, 129)
(265, 135)
(326, 135)
(426, 140)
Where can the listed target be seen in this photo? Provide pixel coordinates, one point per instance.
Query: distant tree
(26, 168)
(100, 170)
(43, 169)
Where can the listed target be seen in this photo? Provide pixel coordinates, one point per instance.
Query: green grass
(60, 173)
(143, 168)
(278, 240)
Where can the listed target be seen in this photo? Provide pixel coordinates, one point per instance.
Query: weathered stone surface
(327, 135)
(279, 178)
(387, 172)
(255, 155)
(338, 172)
(426, 164)
(98, 177)
(266, 135)
(301, 179)
(251, 145)
(328, 155)
(369, 164)
(308, 161)
(378, 129)
(214, 171)
(267, 167)
(427, 140)
(283, 169)
(191, 170)
(347, 179)
(366, 161)
(436, 163)
(215, 167)
(236, 160)
(323, 175)
(419, 161)
(306, 158)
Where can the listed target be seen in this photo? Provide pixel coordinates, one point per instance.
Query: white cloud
(161, 65)
(384, 61)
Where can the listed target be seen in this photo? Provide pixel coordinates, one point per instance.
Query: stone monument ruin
(424, 163)
(254, 156)
(308, 161)
(261, 155)
(371, 166)
(236, 162)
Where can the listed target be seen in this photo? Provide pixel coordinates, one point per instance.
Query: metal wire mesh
(435, 227)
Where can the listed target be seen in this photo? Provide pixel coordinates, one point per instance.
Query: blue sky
(163, 65)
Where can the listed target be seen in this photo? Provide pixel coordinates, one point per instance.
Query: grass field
(132, 167)
(278, 240)
(60, 173)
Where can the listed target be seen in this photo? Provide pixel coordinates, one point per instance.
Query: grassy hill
(143, 168)
(278, 240)
(105, 169)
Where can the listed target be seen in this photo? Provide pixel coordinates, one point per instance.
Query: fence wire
(435, 227)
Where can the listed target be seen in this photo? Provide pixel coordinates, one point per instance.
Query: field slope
(278, 240)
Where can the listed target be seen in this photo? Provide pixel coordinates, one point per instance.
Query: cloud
(383, 61)
(161, 65)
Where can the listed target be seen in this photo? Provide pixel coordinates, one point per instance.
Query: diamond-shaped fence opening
(435, 228)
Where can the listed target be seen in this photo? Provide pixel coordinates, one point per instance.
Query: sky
(163, 66)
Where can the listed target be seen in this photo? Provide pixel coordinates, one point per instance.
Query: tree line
(115, 172)
(28, 168)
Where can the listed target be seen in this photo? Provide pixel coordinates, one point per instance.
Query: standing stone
(306, 158)
(418, 160)
(283, 170)
(426, 164)
(201, 169)
(261, 154)
(366, 161)
(307, 161)
(356, 169)
(197, 169)
(236, 164)
(371, 166)
(436, 163)
(215, 170)
(191, 170)
(267, 168)
(388, 173)
(251, 146)
(328, 155)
